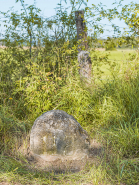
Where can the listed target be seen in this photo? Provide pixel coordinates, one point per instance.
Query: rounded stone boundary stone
(56, 134)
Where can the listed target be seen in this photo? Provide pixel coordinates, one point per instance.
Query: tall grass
(108, 109)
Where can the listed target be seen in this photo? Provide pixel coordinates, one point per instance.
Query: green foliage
(108, 109)
(10, 128)
(110, 44)
(75, 100)
(43, 77)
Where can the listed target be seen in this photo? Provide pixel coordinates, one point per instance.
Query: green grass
(108, 109)
(14, 171)
(119, 62)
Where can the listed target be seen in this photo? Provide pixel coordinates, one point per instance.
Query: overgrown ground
(108, 108)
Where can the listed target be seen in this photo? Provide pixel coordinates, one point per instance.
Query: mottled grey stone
(84, 64)
(57, 133)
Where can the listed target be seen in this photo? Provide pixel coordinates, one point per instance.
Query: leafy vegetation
(39, 78)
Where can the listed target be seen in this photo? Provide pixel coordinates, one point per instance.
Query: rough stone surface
(59, 163)
(57, 133)
(84, 64)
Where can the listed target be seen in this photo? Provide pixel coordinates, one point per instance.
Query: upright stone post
(83, 55)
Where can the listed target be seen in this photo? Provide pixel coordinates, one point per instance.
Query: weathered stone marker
(57, 133)
(58, 143)
(84, 64)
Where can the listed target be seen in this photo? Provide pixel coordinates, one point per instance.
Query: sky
(48, 9)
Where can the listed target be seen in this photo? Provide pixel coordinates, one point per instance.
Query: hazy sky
(47, 7)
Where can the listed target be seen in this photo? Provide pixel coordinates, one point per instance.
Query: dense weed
(108, 109)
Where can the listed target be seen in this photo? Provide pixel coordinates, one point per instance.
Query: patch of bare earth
(100, 49)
